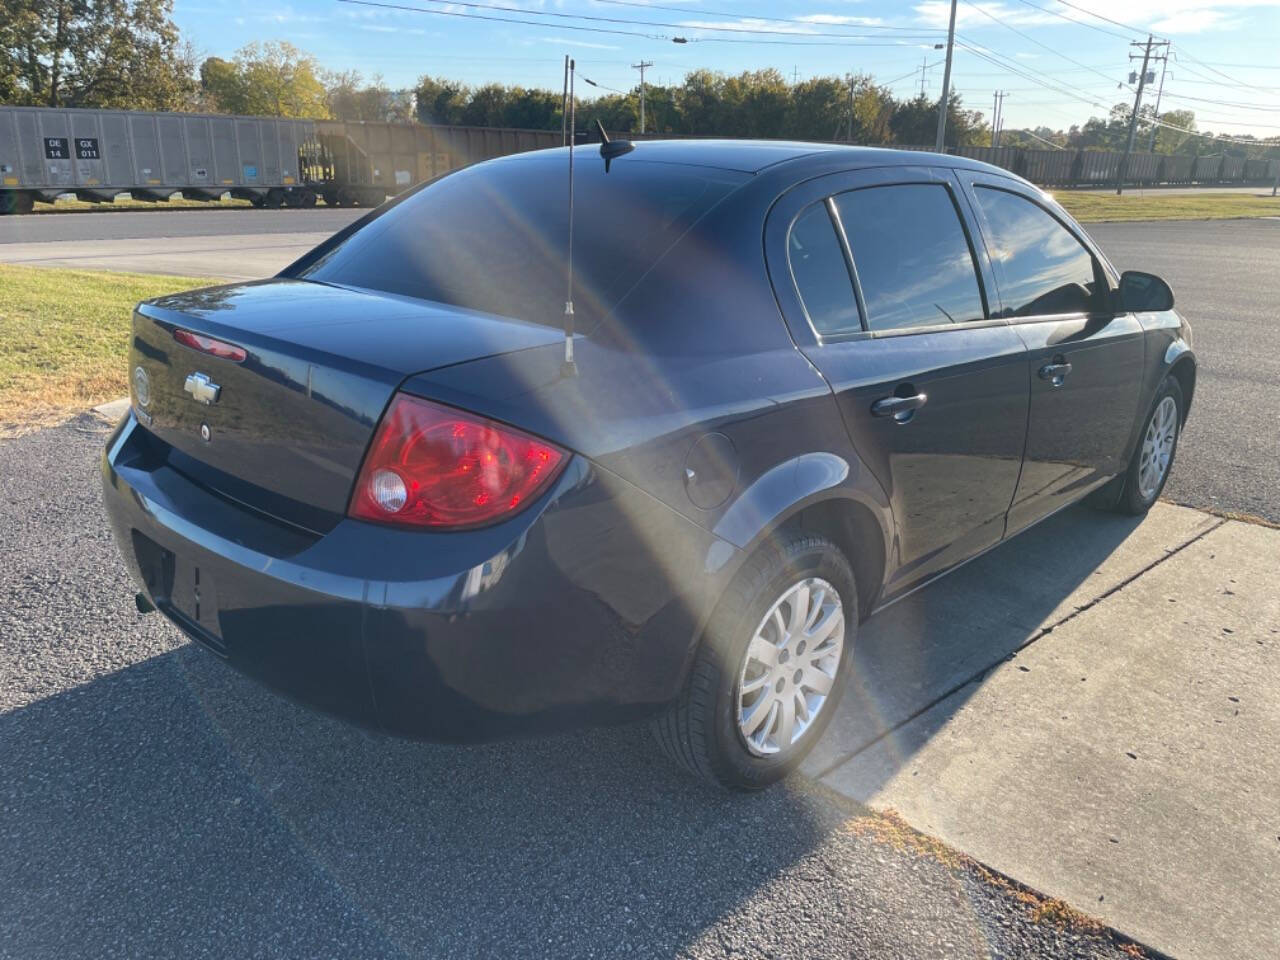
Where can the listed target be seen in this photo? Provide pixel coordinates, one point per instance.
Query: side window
(912, 256)
(821, 275)
(1041, 267)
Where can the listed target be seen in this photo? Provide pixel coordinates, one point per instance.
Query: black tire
(307, 199)
(700, 730)
(1130, 499)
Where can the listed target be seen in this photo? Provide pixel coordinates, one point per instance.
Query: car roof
(754, 156)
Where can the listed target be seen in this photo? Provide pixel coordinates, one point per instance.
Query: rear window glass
(822, 276)
(494, 237)
(912, 256)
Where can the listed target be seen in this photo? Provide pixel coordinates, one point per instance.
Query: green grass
(64, 338)
(1091, 207)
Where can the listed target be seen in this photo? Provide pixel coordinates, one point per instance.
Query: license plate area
(181, 589)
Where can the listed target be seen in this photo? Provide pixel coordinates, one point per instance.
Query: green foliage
(269, 79)
(94, 53)
(755, 103)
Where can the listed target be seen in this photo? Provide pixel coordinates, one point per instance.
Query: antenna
(609, 149)
(569, 368)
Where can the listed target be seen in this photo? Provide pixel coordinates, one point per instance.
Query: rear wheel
(1157, 446)
(771, 666)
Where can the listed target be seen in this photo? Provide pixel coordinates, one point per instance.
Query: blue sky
(1224, 62)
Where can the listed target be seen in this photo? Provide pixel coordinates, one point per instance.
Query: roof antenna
(569, 368)
(609, 149)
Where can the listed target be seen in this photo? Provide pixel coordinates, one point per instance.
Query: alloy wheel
(1157, 447)
(790, 666)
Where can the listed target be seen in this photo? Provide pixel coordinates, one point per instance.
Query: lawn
(64, 338)
(1091, 206)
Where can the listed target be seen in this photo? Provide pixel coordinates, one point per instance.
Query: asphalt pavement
(154, 803)
(1226, 280)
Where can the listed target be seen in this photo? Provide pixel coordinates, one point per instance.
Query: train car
(96, 154)
(364, 162)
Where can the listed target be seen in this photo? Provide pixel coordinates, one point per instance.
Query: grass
(1090, 207)
(64, 339)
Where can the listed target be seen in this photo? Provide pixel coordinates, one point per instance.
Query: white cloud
(561, 41)
(1161, 16)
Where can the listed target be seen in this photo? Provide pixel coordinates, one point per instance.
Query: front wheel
(1157, 446)
(771, 666)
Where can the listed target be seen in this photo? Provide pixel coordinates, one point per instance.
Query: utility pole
(924, 66)
(1155, 123)
(1137, 104)
(642, 66)
(997, 108)
(850, 137)
(940, 139)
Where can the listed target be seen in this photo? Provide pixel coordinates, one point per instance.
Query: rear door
(886, 296)
(1085, 360)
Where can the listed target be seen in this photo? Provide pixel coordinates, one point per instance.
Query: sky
(1060, 62)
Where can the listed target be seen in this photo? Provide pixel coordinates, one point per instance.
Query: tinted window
(493, 237)
(1041, 267)
(912, 256)
(822, 276)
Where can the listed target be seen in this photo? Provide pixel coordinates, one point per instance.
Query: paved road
(145, 224)
(1226, 277)
(155, 804)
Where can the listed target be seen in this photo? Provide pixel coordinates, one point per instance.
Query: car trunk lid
(285, 429)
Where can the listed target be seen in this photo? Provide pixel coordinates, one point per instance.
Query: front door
(933, 390)
(1085, 361)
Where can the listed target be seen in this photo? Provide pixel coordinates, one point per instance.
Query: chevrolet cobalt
(441, 478)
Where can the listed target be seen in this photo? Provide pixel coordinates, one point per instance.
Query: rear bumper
(584, 608)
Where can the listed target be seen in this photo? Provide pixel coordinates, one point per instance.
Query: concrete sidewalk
(1095, 713)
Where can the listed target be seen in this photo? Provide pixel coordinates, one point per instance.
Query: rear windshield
(494, 237)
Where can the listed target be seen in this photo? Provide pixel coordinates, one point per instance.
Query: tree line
(128, 54)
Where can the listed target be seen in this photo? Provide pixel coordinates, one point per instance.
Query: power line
(470, 4)
(1114, 23)
(740, 16)
(1079, 23)
(1027, 36)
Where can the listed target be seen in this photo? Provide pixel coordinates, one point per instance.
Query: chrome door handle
(1055, 372)
(900, 408)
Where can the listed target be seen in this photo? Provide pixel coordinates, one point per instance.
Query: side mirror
(1144, 292)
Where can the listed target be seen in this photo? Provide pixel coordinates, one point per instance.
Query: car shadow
(939, 643)
(176, 808)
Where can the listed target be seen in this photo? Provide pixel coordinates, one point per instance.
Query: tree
(94, 53)
(350, 98)
(269, 79)
(440, 100)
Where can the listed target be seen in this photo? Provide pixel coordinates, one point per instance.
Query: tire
(702, 731)
(1140, 492)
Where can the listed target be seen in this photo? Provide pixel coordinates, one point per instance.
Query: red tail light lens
(218, 348)
(433, 466)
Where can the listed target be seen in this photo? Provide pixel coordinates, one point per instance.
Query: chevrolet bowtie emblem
(202, 388)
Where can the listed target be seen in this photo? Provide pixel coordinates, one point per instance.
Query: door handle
(1055, 372)
(900, 408)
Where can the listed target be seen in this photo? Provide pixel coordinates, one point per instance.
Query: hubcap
(1157, 447)
(790, 666)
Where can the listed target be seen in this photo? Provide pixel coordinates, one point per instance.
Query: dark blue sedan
(804, 380)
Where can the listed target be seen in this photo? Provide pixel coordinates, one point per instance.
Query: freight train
(273, 161)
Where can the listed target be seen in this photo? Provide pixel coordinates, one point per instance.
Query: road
(1226, 278)
(154, 804)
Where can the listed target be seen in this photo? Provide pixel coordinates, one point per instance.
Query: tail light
(433, 466)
